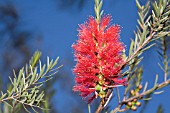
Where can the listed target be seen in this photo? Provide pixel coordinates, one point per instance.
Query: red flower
(99, 60)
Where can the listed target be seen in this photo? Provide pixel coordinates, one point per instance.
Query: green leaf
(55, 62)
(148, 47)
(24, 94)
(21, 72)
(143, 36)
(3, 96)
(21, 83)
(146, 98)
(35, 58)
(131, 47)
(156, 9)
(138, 5)
(157, 93)
(42, 71)
(161, 67)
(33, 76)
(145, 87)
(156, 80)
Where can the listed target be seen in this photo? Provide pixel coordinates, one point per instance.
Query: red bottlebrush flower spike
(98, 53)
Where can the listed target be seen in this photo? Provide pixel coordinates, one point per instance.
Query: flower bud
(138, 103)
(134, 108)
(134, 100)
(140, 87)
(132, 92)
(129, 103)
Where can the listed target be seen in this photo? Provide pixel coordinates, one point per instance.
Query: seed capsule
(132, 92)
(140, 87)
(134, 100)
(129, 103)
(134, 108)
(138, 103)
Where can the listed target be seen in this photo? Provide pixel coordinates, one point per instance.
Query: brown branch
(100, 107)
(116, 109)
(9, 98)
(13, 107)
(165, 62)
(156, 87)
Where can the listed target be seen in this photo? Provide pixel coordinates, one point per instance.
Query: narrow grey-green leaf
(2, 97)
(131, 47)
(33, 76)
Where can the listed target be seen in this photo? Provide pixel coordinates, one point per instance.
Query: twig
(107, 99)
(100, 107)
(156, 87)
(31, 105)
(116, 109)
(13, 107)
(164, 43)
(9, 98)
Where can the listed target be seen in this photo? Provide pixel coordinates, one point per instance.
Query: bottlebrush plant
(102, 65)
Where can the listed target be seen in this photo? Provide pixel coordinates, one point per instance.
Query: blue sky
(59, 31)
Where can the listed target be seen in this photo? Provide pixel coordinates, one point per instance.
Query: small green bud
(98, 88)
(102, 94)
(100, 76)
